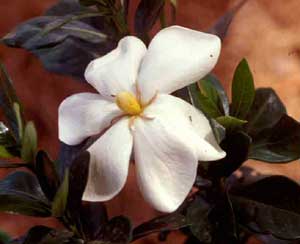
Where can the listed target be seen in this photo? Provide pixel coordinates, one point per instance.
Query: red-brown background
(265, 32)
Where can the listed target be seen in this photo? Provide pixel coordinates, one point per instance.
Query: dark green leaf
(146, 15)
(93, 2)
(278, 191)
(214, 89)
(236, 147)
(93, 216)
(69, 153)
(278, 144)
(243, 91)
(47, 174)
(8, 102)
(4, 238)
(46, 235)
(167, 222)
(117, 231)
(219, 130)
(230, 123)
(266, 111)
(88, 217)
(198, 219)
(29, 143)
(20, 193)
(223, 216)
(221, 26)
(270, 205)
(78, 179)
(59, 49)
(60, 200)
(203, 103)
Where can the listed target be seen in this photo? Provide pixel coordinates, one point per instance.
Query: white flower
(166, 134)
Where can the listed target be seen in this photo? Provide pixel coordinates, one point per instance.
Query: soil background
(265, 32)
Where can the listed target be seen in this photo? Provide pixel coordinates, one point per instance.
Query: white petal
(83, 115)
(166, 166)
(109, 162)
(177, 57)
(117, 70)
(189, 123)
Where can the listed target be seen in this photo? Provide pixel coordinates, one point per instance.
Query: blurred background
(265, 32)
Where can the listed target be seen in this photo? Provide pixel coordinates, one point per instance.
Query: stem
(119, 19)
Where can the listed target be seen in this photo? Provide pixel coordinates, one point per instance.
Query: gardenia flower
(135, 115)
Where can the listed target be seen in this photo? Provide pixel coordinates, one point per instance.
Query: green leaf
(203, 103)
(230, 123)
(243, 91)
(198, 219)
(88, 217)
(47, 174)
(4, 153)
(46, 235)
(20, 193)
(10, 103)
(270, 206)
(59, 50)
(222, 100)
(267, 109)
(93, 216)
(18, 112)
(167, 222)
(236, 146)
(279, 144)
(29, 143)
(60, 200)
(117, 231)
(4, 238)
(219, 130)
(146, 15)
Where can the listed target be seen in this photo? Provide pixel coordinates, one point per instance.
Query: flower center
(127, 102)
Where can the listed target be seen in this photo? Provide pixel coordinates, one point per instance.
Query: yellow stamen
(128, 103)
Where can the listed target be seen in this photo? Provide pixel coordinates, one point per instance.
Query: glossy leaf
(59, 49)
(93, 216)
(278, 144)
(117, 231)
(215, 91)
(167, 222)
(47, 174)
(243, 91)
(29, 143)
(60, 200)
(199, 221)
(8, 99)
(219, 130)
(267, 109)
(46, 235)
(236, 147)
(264, 205)
(146, 15)
(203, 103)
(221, 26)
(20, 193)
(230, 123)
(88, 217)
